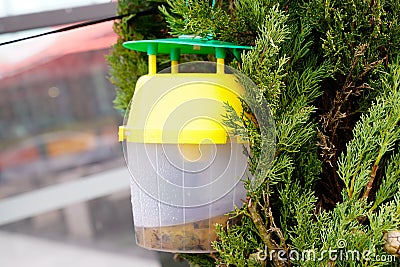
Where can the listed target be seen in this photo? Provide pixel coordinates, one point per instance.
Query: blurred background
(64, 186)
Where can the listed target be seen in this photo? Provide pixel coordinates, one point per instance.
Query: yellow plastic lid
(181, 108)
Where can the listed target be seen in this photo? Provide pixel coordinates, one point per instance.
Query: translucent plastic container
(175, 209)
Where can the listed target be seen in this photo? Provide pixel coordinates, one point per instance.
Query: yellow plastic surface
(152, 64)
(166, 108)
(174, 66)
(220, 66)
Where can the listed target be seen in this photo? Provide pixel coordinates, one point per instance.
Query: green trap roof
(185, 45)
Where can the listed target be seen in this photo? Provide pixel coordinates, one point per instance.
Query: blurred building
(56, 110)
(65, 81)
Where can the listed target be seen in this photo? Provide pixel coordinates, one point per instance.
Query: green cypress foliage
(330, 71)
(127, 66)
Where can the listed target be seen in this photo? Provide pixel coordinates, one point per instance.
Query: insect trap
(186, 167)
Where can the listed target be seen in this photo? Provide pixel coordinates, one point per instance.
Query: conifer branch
(374, 135)
(333, 119)
(268, 213)
(390, 184)
(265, 234)
(372, 175)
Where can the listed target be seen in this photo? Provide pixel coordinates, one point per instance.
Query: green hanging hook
(213, 3)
